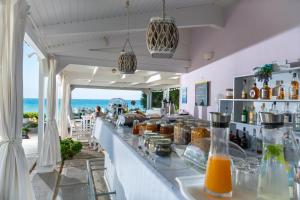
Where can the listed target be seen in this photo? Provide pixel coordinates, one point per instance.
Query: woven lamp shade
(127, 63)
(162, 37)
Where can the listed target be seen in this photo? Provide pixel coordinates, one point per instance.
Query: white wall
(256, 33)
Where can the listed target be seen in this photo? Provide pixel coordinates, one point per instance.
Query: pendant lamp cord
(128, 33)
(127, 9)
(164, 9)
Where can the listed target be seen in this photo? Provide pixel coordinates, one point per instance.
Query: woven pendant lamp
(162, 36)
(127, 62)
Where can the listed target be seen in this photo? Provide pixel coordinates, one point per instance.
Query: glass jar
(135, 127)
(185, 135)
(273, 177)
(177, 132)
(142, 128)
(198, 133)
(218, 181)
(229, 93)
(164, 129)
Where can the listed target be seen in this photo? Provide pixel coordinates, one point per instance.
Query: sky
(31, 82)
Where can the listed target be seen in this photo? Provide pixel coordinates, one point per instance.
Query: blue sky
(31, 82)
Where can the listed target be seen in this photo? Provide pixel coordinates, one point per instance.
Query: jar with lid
(177, 132)
(229, 93)
(185, 135)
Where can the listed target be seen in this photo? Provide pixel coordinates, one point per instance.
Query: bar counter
(131, 173)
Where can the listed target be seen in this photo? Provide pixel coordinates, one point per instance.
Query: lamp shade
(127, 63)
(162, 37)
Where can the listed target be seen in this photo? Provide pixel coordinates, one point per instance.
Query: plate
(192, 188)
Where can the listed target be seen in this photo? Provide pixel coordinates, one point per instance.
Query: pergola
(80, 41)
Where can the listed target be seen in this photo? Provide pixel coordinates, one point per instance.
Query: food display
(198, 133)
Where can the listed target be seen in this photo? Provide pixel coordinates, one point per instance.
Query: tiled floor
(73, 184)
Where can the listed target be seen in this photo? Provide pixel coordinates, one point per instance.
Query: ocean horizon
(31, 104)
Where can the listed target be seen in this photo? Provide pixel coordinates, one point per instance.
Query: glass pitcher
(218, 180)
(273, 178)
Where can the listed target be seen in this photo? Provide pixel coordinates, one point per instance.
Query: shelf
(261, 100)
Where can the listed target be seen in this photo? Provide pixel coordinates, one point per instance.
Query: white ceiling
(104, 77)
(68, 29)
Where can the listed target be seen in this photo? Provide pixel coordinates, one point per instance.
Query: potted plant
(32, 126)
(25, 133)
(25, 118)
(264, 73)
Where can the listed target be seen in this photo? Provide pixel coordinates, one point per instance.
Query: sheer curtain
(64, 111)
(50, 149)
(14, 174)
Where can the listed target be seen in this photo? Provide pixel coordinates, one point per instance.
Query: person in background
(97, 112)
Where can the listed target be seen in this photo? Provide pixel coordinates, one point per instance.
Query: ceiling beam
(105, 87)
(107, 59)
(35, 42)
(198, 16)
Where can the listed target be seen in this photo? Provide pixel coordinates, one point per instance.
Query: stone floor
(72, 182)
(31, 149)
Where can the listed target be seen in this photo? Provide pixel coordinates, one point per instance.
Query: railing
(93, 194)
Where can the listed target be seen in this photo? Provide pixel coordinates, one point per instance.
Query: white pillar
(42, 64)
(149, 99)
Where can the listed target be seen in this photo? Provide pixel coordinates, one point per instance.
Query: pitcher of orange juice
(218, 170)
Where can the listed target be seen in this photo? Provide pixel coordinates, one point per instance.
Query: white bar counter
(131, 174)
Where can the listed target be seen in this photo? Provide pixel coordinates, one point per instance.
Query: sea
(31, 104)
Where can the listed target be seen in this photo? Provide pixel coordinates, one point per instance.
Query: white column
(14, 174)
(50, 149)
(149, 99)
(42, 64)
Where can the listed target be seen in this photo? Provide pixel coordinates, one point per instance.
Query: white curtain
(64, 111)
(14, 175)
(50, 149)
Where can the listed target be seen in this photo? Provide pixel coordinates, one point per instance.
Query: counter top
(166, 169)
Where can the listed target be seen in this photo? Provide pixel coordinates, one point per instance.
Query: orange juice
(218, 175)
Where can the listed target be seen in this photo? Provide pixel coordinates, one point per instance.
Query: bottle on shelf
(244, 91)
(244, 139)
(237, 139)
(252, 115)
(274, 109)
(231, 136)
(287, 114)
(254, 92)
(259, 143)
(294, 88)
(280, 91)
(265, 91)
(244, 117)
(297, 118)
(254, 141)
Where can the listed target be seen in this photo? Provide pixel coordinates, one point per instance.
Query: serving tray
(192, 188)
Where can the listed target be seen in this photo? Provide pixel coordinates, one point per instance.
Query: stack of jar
(189, 130)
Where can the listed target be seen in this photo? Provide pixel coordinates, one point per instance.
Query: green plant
(25, 115)
(25, 131)
(69, 148)
(174, 97)
(32, 125)
(144, 100)
(157, 97)
(264, 73)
